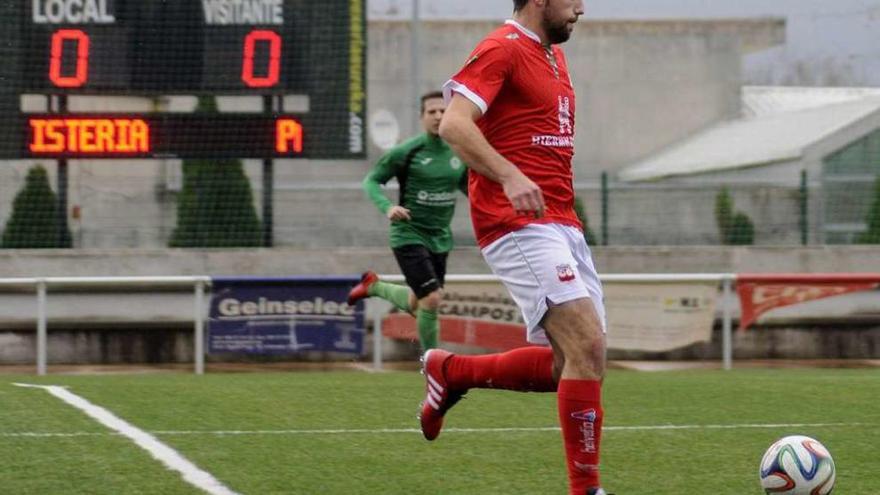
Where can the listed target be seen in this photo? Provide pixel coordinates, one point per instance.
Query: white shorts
(543, 265)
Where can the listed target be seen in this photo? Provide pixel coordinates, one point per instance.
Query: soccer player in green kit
(429, 174)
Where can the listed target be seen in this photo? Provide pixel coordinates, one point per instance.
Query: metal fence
(135, 204)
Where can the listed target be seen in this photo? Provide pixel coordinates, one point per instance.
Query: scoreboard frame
(150, 48)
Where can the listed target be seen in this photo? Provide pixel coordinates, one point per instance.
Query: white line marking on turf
(445, 430)
(37, 434)
(163, 453)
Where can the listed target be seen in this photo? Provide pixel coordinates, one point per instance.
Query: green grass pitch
(356, 433)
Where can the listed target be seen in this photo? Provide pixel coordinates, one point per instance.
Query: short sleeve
(483, 75)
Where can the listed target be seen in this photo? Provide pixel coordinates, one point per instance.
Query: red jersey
(524, 91)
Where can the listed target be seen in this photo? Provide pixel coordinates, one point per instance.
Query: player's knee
(432, 301)
(590, 349)
(597, 356)
(580, 337)
(587, 361)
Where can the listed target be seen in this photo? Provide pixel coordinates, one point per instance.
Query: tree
(582, 216)
(216, 206)
(872, 235)
(34, 219)
(734, 227)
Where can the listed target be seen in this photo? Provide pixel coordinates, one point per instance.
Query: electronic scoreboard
(269, 48)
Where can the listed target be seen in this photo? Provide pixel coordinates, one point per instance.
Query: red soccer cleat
(359, 291)
(438, 397)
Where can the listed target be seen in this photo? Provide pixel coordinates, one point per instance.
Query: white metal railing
(42, 286)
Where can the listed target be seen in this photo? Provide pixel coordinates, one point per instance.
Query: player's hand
(398, 214)
(525, 196)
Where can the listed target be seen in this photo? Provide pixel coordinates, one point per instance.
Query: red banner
(759, 293)
(478, 333)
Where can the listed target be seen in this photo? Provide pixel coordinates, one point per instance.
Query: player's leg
(426, 319)
(429, 305)
(528, 263)
(525, 369)
(370, 286)
(551, 276)
(418, 266)
(577, 334)
(449, 376)
(528, 369)
(576, 328)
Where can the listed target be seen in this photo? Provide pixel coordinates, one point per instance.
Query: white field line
(191, 473)
(379, 431)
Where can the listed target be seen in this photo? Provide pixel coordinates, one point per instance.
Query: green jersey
(429, 174)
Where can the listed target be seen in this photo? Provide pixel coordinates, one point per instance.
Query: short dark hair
(519, 4)
(429, 96)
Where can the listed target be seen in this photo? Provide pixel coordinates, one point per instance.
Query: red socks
(526, 369)
(580, 415)
(530, 369)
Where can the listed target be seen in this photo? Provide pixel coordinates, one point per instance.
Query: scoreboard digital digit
(272, 48)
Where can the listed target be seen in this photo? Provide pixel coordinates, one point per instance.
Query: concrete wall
(340, 261)
(87, 346)
(175, 345)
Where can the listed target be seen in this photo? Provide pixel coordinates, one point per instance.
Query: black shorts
(424, 270)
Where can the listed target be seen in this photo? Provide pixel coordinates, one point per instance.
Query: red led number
(82, 58)
(247, 66)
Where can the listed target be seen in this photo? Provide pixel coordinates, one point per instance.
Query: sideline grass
(296, 454)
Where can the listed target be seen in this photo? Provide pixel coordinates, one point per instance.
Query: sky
(829, 42)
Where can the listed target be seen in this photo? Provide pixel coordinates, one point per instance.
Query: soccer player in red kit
(511, 117)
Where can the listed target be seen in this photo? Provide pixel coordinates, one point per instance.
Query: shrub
(872, 235)
(742, 230)
(34, 219)
(734, 227)
(215, 207)
(579, 209)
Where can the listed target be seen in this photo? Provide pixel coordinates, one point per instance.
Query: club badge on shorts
(565, 273)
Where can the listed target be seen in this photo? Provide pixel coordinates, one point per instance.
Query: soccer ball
(797, 465)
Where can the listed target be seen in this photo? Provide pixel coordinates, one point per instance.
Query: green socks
(398, 295)
(427, 323)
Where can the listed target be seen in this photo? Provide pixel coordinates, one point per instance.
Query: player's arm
(459, 129)
(372, 185)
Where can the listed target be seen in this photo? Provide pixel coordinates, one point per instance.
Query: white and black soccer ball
(797, 465)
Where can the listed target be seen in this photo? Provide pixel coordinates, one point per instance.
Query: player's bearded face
(559, 17)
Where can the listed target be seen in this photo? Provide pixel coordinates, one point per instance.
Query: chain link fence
(138, 204)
